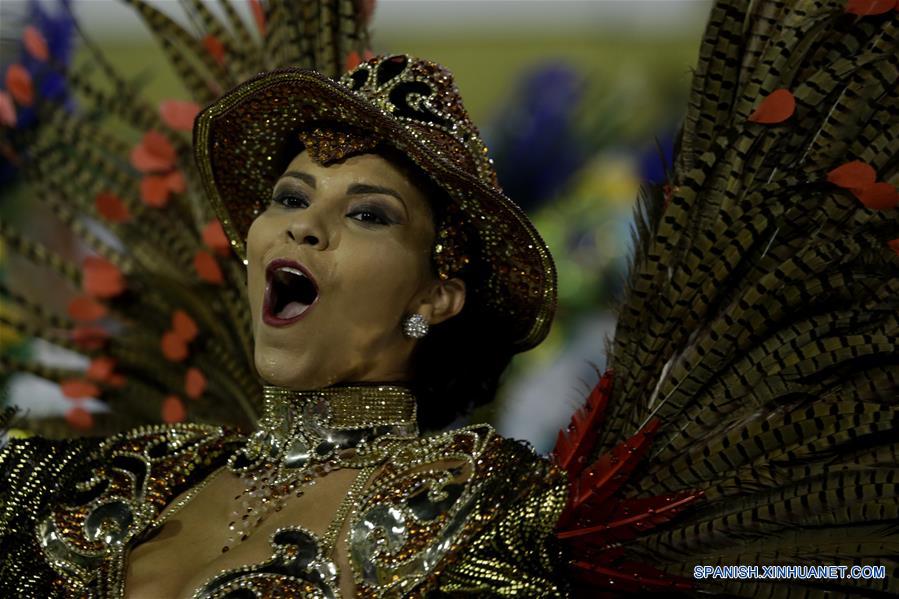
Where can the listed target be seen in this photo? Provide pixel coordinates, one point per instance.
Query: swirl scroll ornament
(298, 568)
(122, 497)
(418, 511)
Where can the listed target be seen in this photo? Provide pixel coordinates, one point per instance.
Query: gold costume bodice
(465, 511)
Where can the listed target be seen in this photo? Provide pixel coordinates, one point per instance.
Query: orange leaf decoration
(153, 153)
(159, 145)
(366, 10)
(35, 44)
(79, 389)
(215, 47)
(179, 114)
(353, 60)
(894, 244)
(89, 338)
(101, 278)
(878, 196)
(84, 308)
(79, 418)
(184, 326)
(776, 108)
(173, 410)
(18, 82)
(100, 369)
(207, 268)
(853, 175)
(258, 16)
(174, 348)
(144, 161)
(111, 207)
(215, 239)
(864, 8)
(175, 182)
(7, 110)
(154, 191)
(194, 383)
(117, 380)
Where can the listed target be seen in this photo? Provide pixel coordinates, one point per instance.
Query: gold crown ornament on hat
(411, 105)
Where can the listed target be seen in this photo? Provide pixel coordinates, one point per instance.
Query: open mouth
(290, 291)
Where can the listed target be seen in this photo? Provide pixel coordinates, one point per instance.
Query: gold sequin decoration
(464, 511)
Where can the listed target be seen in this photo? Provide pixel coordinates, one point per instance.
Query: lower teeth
(290, 310)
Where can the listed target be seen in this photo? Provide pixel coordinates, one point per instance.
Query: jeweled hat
(413, 106)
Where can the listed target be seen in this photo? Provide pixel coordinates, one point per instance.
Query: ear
(442, 300)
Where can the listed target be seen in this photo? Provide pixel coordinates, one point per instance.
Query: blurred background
(579, 103)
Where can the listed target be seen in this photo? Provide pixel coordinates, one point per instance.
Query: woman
(369, 245)
(752, 420)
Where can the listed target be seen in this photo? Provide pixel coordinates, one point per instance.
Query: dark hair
(457, 366)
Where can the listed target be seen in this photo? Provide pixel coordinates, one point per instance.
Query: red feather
(595, 521)
(606, 475)
(259, 16)
(607, 556)
(633, 516)
(575, 444)
(629, 577)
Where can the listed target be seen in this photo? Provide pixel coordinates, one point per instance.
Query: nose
(306, 230)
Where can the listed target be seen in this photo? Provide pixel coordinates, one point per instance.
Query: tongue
(290, 310)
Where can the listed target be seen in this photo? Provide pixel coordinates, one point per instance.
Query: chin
(279, 367)
(291, 369)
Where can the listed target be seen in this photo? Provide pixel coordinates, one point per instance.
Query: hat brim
(239, 141)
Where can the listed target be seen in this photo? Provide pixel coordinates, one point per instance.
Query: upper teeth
(291, 270)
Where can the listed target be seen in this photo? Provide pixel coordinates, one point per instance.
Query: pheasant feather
(760, 319)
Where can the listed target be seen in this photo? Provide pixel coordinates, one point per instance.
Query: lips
(290, 292)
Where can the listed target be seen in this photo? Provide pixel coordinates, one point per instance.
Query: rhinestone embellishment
(415, 326)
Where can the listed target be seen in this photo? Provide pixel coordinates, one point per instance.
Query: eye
(370, 215)
(291, 199)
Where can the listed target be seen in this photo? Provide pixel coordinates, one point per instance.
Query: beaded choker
(306, 434)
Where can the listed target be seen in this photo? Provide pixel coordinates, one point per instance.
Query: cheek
(255, 248)
(385, 279)
(255, 236)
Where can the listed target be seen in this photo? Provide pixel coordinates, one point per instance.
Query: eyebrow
(305, 177)
(364, 188)
(354, 189)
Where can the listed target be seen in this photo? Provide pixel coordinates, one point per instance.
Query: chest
(151, 518)
(185, 555)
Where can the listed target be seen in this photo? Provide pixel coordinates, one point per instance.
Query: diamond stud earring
(415, 326)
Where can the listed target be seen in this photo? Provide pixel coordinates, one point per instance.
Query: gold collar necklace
(303, 435)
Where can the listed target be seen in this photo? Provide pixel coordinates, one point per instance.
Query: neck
(340, 407)
(306, 434)
(299, 427)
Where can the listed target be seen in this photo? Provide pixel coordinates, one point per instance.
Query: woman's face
(336, 261)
